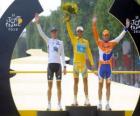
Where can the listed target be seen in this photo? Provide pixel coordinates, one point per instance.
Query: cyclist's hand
(37, 18)
(127, 23)
(94, 20)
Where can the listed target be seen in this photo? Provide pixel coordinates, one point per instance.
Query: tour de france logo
(135, 24)
(13, 23)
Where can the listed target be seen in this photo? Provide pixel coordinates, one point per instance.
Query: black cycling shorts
(54, 68)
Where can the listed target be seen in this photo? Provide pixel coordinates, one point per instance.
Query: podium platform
(81, 110)
(77, 111)
(111, 113)
(52, 113)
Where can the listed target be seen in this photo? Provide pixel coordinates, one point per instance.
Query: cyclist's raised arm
(42, 34)
(70, 32)
(117, 39)
(94, 30)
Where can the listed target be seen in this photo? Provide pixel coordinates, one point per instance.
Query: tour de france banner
(12, 23)
(123, 9)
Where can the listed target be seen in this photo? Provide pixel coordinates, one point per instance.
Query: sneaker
(87, 102)
(49, 107)
(75, 103)
(99, 107)
(108, 107)
(59, 107)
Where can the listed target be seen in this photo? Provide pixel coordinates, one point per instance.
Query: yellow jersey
(81, 47)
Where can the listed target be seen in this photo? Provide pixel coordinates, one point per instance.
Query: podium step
(111, 113)
(82, 110)
(52, 113)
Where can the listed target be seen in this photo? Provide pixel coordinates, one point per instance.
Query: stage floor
(30, 90)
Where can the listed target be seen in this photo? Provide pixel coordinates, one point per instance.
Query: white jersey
(55, 48)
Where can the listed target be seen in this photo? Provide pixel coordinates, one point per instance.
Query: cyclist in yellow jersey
(81, 50)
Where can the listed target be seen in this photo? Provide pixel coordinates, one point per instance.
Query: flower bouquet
(69, 9)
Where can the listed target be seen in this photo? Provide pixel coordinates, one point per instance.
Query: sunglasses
(79, 31)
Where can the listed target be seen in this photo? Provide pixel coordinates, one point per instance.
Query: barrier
(113, 72)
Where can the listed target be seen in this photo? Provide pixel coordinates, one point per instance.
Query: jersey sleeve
(89, 54)
(119, 38)
(63, 54)
(70, 32)
(42, 34)
(95, 33)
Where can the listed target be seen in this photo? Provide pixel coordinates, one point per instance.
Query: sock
(100, 101)
(107, 102)
(59, 103)
(49, 102)
(75, 98)
(87, 97)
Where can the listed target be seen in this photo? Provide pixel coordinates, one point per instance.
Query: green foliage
(138, 1)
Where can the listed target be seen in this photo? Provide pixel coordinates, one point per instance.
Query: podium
(52, 113)
(81, 111)
(111, 113)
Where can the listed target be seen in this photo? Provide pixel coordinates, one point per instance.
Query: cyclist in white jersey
(55, 55)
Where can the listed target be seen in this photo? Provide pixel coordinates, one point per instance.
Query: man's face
(54, 34)
(80, 33)
(106, 37)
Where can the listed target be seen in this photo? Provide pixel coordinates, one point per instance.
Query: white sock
(100, 101)
(107, 102)
(75, 98)
(87, 97)
(49, 102)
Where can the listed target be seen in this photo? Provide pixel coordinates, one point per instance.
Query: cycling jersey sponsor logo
(135, 24)
(55, 49)
(81, 48)
(57, 43)
(14, 22)
(107, 56)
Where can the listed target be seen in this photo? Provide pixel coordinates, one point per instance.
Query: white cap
(80, 28)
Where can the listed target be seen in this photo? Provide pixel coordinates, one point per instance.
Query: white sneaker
(49, 107)
(75, 103)
(99, 107)
(87, 103)
(59, 107)
(108, 108)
